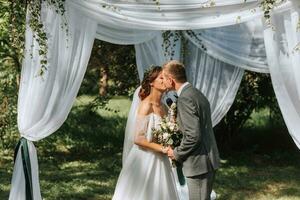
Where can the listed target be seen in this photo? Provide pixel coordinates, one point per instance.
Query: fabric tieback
(26, 166)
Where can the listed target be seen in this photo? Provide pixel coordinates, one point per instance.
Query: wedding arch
(216, 39)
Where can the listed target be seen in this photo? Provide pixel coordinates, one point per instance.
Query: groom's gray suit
(198, 151)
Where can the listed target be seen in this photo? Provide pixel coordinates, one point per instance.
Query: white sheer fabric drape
(123, 36)
(171, 14)
(240, 45)
(131, 125)
(45, 101)
(283, 51)
(217, 80)
(149, 53)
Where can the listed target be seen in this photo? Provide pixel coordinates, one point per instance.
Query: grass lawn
(82, 160)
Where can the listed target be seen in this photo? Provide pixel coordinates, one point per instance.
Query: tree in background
(12, 17)
(255, 93)
(111, 70)
(10, 66)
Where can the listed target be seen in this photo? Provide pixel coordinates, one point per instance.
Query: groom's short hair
(176, 69)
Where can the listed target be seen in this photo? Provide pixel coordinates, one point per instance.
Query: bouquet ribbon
(180, 175)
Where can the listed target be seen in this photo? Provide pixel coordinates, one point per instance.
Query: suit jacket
(198, 150)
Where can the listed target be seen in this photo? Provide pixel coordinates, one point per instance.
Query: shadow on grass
(82, 160)
(246, 175)
(86, 158)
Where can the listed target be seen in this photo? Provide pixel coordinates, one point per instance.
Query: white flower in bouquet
(173, 106)
(165, 136)
(176, 128)
(172, 126)
(163, 125)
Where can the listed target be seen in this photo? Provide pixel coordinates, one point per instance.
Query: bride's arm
(140, 136)
(143, 142)
(141, 129)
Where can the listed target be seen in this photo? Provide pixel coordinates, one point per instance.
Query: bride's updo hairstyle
(149, 77)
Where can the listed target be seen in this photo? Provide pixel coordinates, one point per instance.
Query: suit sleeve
(190, 127)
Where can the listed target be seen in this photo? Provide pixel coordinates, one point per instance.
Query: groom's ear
(173, 82)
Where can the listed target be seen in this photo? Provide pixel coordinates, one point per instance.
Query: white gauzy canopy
(224, 38)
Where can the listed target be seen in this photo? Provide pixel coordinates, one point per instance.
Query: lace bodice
(145, 124)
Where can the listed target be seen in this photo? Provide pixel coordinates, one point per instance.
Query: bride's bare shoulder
(145, 108)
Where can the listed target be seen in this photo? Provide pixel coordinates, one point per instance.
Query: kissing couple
(147, 172)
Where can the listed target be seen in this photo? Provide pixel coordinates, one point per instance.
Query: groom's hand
(171, 154)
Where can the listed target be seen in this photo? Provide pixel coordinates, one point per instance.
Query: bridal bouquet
(168, 133)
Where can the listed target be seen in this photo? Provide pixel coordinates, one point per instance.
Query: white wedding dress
(146, 175)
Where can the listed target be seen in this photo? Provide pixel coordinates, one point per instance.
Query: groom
(198, 151)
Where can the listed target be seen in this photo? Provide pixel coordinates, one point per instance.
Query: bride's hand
(164, 150)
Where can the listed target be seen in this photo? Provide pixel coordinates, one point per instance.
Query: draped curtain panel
(45, 101)
(217, 80)
(240, 45)
(283, 52)
(171, 14)
(124, 36)
(231, 31)
(149, 53)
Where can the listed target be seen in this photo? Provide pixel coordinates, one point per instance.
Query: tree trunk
(103, 81)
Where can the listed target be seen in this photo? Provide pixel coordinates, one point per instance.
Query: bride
(147, 172)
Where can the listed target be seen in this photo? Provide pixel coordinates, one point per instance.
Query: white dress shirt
(181, 88)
